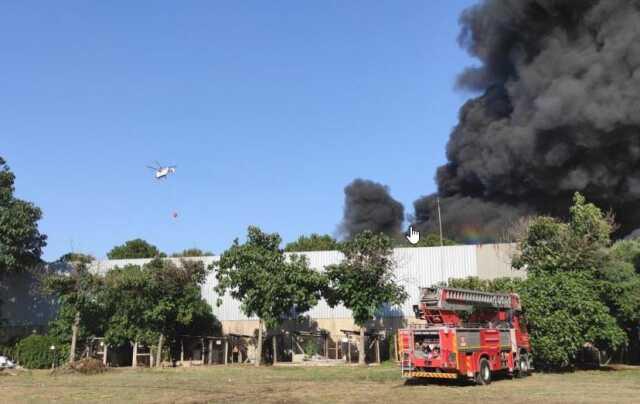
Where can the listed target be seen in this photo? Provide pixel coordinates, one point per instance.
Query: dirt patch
(86, 366)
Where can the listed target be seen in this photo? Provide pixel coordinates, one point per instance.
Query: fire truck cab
(465, 334)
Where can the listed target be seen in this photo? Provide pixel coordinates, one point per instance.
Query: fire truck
(465, 334)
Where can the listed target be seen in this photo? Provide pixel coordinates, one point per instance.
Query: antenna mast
(440, 221)
(442, 271)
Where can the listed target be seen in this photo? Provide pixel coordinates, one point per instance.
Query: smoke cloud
(559, 112)
(369, 206)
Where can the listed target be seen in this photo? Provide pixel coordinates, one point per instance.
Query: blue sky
(268, 108)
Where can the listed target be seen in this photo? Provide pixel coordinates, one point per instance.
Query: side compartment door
(405, 346)
(490, 343)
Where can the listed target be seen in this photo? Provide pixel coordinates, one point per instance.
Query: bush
(89, 366)
(310, 347)
(33, 352)
(565, 314)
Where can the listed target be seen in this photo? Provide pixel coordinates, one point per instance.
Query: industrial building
(415, 267)
(24, 310)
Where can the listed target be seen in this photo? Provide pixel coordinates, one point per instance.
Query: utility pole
(442, 274)
(440, 221)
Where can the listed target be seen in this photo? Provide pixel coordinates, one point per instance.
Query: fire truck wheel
(523, 366)
(484, 372)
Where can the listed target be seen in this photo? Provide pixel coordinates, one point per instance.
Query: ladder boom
(466, 300)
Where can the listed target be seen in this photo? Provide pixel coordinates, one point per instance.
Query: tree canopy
(569, 269)
(364, 281)
(159, 298)
(21, 242)
(128, 300)
(267, 284)
(174, 292)
(137, 248)
(79, 310)
(313, 242)
(154, 302)
(580, 290)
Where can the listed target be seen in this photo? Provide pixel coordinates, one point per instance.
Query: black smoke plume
(369, 206)
(559, 112)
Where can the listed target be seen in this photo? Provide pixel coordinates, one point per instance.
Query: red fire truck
(465, 334)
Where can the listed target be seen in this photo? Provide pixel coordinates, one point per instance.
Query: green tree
(192, 252)
(620, 290)
(21, 243)
(136, 248)
(364, 281)
(174, 297)
(127, 298)
(267, 284)
(34, 351)
(313, 242)
(564, 313)
(563, 295)
(550, 246)
(77, 291)
(627, 251)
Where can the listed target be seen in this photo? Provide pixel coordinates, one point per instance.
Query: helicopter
(162, 172)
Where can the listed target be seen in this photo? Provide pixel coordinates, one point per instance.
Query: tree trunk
(74, 337)
(361, 348)
(134, 359)
(159, 354)
(105, 350)
(275, 350)
(259, 345)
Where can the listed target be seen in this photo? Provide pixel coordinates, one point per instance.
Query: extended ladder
(462, 299)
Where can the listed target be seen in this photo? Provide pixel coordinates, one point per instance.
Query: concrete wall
(494, 261)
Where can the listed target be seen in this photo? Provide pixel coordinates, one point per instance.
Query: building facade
(414, 268)
(24, 309)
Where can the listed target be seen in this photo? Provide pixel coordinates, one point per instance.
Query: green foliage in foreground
(364, 280)
(267, 284)
(159, 298)
(579, 290)
(21, 242)
(34, 351)
(564, 315)
(77, 292)
(134, 303)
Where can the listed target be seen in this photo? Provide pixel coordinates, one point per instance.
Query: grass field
(311, 384)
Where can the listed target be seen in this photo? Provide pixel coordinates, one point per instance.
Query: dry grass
(319, 384)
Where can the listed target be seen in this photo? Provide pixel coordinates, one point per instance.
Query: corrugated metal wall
(415, 267)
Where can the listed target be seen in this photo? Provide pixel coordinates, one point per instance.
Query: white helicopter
(162, 172)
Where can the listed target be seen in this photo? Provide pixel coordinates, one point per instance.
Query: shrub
(88, 366)
(33, 352)
(310, 347)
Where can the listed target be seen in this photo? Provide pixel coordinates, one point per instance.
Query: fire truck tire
(484, 372)
(523, 366)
